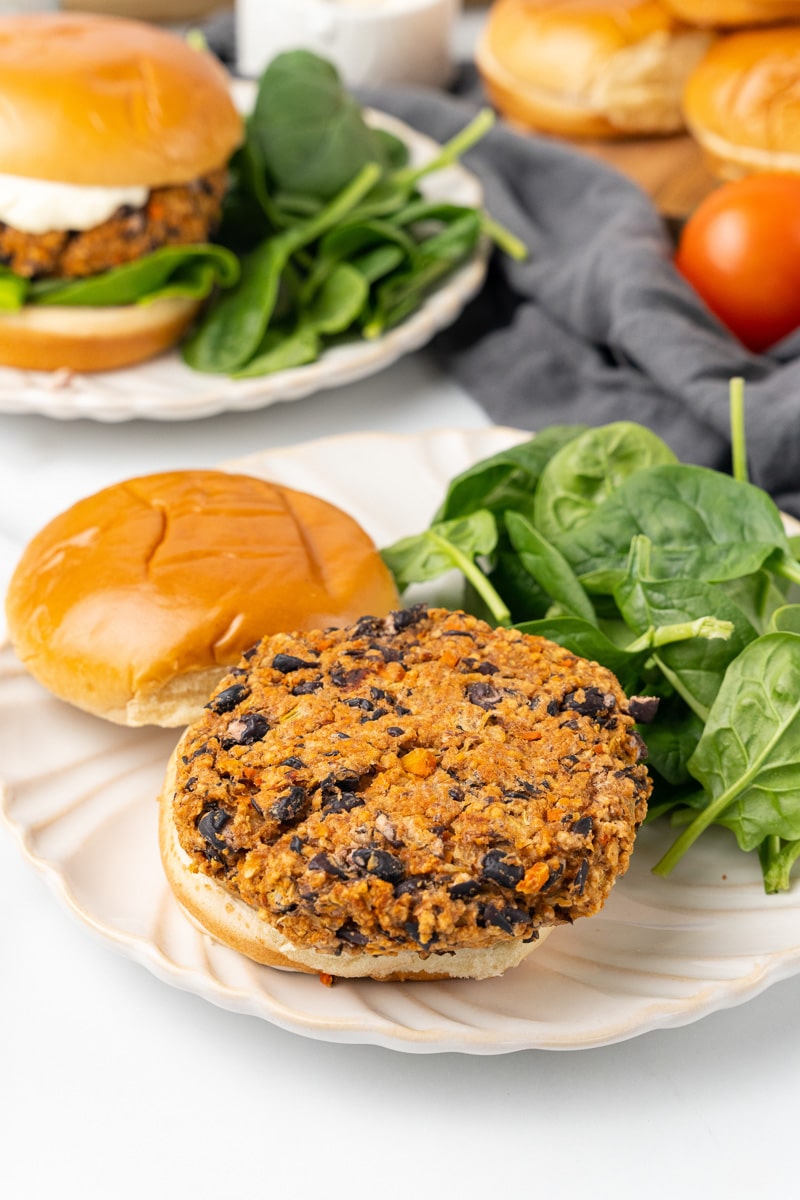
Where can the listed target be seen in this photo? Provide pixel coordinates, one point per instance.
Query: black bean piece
(553, 877)
(458, 633)
(190, 782)
(584, 826)
(307, 688)
(639, 745)
(402, 711)
(468, 665)
(579, 882)
(404, 618)
(485, 695)
(248, 654)
(496, 867)
(493, 915)
(345, 737)
(409, 886)
(552, 708)
(293, 761)
(238, 671)
(257, 806)
(245, 731)
(386, 866)
(289, 807)
(226, 700)
(295, 844)
(456, 793)
(594, 702)
(533, 936)
(389, 653)
(643, 708)
(573, 724)
(359, 702)
(517, 916)
(367, 627)
(286, 663)
(343, 802)
(360, 856)
(340, 678)
(395, 731)
(376, 716)
(378, 693)
(209, 824)
(487, 668)
(527, 786)
(321, 862)
(200, 750)
(350, 933)
(465, 890)
(412, 929)
(569, 760)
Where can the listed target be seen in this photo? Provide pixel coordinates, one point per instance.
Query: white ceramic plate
(79, 796)
(165, 389)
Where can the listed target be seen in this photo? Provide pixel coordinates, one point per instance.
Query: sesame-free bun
(103, 101)
(133, 603)
(48, 338)
(229, 920)
(730, 13)
(742, 103)
(588, 68)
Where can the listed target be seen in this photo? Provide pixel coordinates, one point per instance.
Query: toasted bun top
(175, 575)
(726, 13)
(108, 102)
(560, 44)
(746, 91)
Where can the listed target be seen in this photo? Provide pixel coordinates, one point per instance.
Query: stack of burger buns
(729, 70)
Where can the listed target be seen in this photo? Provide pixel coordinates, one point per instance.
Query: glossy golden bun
(228, 919)
(107, 102)
(588, 68)
(730, 13)
(135, 602)
(742, 103)
(48, 338)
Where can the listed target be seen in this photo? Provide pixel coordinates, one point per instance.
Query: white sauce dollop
(43, 206)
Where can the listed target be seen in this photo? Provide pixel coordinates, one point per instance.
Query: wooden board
(671, 170)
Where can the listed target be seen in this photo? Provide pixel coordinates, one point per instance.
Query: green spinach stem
(476, 577)
(452, 151)
(738, 439)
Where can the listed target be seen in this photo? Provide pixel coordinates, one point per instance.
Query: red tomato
(740, 250)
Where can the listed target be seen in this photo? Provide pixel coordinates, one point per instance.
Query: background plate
(79, 796)
(165, 389)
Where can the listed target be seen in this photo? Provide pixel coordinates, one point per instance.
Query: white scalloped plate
(79, 796)
(165, 389)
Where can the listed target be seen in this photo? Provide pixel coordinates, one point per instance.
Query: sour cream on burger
(44, 206)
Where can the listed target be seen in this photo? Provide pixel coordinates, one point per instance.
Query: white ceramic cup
(370, 41)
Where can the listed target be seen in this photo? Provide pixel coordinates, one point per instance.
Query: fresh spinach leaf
(589, 468)
(702, 524)
(777, 859)
(231, 333)
(508, 479)
(672, 740)
(172, 270)
(747, 758)
(444, 546)
(311, 132)
(786, 619)
(13, 290)
(549, 568)
(587, 641)
(280, 350)
(338, 303)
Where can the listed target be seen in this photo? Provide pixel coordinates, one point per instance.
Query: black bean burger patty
(419, 781)
(172, 216)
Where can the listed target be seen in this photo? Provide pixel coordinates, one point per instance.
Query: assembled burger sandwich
(114, 140)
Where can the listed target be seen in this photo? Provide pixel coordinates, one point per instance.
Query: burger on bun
(136, 601)
(742, 103)
(415, 796)
(589, 68)
(114, 140)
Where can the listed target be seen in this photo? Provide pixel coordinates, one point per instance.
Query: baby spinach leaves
(679, 580)
(333, 235)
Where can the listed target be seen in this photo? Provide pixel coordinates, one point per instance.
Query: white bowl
(370, 41)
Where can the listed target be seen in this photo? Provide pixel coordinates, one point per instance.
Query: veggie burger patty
(419, 781)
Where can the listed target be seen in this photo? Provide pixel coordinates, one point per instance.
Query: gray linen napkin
(597, 325)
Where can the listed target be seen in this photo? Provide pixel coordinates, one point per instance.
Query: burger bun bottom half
(50, 338)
